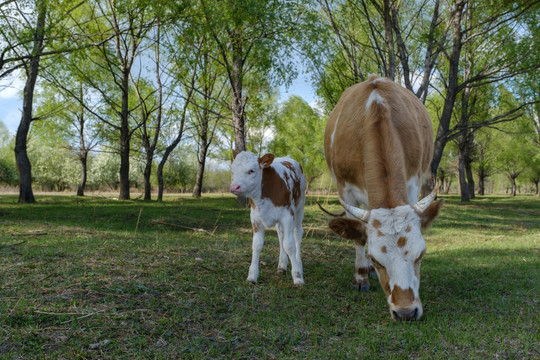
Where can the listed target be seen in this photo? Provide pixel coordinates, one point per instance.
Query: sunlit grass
(99, 278)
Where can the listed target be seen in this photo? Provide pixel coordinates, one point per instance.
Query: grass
(101, 279)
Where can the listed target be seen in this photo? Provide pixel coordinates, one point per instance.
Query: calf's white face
(247, 173)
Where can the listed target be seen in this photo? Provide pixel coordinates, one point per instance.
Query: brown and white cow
(276, 189)
(378, 146)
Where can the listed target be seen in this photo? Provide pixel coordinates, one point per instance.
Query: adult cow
(378, 145)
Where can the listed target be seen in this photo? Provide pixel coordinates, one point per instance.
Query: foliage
(103, 280)
(299, 132)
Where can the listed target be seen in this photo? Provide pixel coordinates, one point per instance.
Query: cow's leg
(361, 269)
(258, 241)
(283, 260)
(298, 232)
(290, 248)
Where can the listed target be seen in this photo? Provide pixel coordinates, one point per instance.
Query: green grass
(102, 280)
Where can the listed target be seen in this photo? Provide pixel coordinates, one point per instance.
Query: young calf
(276, 191)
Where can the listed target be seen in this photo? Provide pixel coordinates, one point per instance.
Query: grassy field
(98, 278)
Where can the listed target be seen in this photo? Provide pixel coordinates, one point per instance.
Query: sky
(11, 99)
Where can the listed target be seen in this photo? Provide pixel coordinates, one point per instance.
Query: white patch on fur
(413, 190)
(398, 261)
(334, 132)
(354, 196)
(381, 79)
(374, 97)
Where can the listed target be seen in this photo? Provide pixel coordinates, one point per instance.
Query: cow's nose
(405, 314)
(235, 189)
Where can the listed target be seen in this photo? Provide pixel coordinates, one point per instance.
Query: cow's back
(377, 138)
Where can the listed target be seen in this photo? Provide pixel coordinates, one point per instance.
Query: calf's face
(247, 171)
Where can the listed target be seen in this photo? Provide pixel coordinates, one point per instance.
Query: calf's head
(247, 171)
(395, 247)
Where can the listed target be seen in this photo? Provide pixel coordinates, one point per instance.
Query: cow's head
(247, 172)
(395, 247)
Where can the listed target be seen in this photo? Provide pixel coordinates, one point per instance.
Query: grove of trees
(130, 93)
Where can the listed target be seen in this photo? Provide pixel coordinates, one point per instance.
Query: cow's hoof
(372, 272)
(281, 271)
(251, 281)
(360, 287)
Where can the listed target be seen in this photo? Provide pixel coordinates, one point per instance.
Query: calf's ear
(266, 160)
(234, 153)
(427, 217)
(349, 229)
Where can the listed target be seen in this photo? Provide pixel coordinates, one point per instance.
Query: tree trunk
(481, 182)
(452, 90)
(21, 155)
(463, 186)
(470, 178)
(513, 190)
(84, 171)
(197, 189)
(124, 141)
(390, 66)
(147, 174)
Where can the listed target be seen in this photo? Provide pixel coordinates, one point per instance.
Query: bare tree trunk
(125, 138)
(84, 171)
(452, 90)
(513, 190)
(481, 182)
(470, 178)
(197, 189)
(24, 167)
(463, 186)
(147, 174)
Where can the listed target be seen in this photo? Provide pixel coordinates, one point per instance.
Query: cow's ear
(234, 153)
(266, 160)
(427, 217)
(349, 229)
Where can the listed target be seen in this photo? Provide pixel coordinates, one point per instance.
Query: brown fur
(397, 135)
(349, 229)
(363, 272)
(402, 241)
(383, 276)
(383, 249)
(402, 298)
(274, 188)
(427, 217)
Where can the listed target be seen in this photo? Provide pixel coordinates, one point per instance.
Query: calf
(276, 191)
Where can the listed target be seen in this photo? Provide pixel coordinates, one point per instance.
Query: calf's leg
(283, 260)
(258, 241)
(290, 248)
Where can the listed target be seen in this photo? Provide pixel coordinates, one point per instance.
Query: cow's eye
(251, 172)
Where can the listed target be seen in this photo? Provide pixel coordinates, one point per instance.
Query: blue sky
(11, 101)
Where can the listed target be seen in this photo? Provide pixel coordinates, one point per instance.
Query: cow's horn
(423, 204)
(354, 211)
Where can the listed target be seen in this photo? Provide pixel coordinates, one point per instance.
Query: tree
(32, 31)
(299, 132)
(63, 121)
(250, 36)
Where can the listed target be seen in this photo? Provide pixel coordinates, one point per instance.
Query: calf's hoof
(251, 281)
(281, 271)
